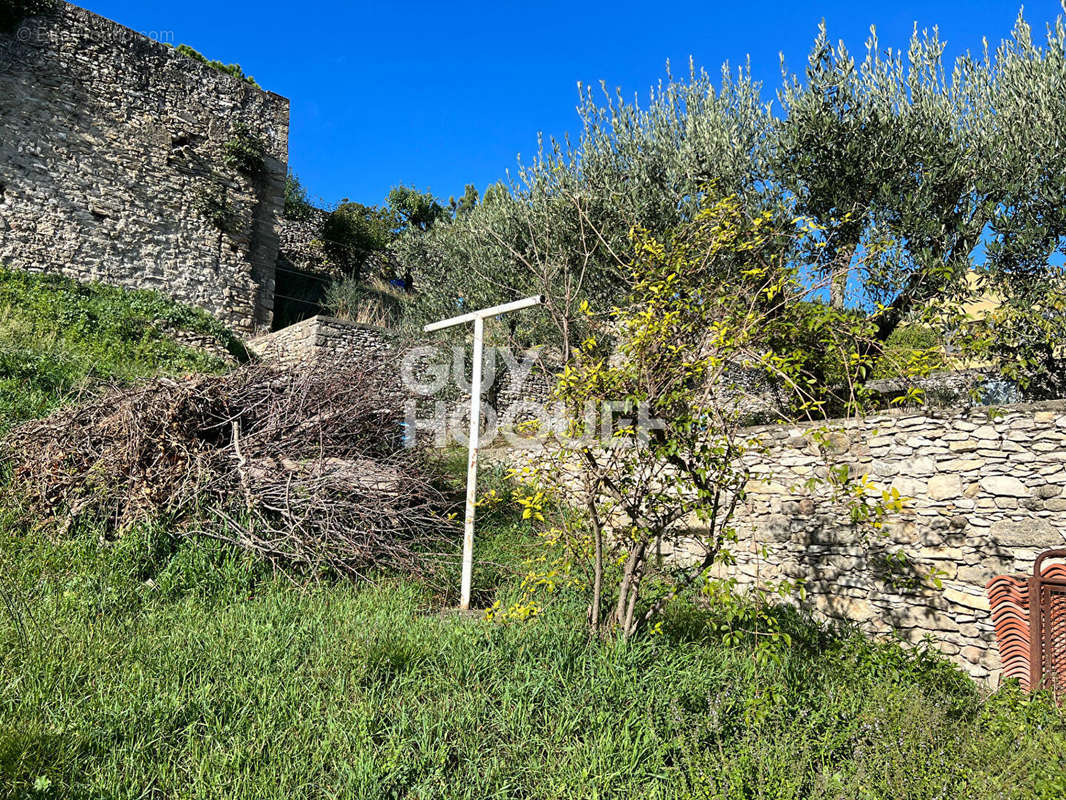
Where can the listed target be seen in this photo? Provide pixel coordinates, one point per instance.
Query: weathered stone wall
(112, 154)
(301, 245)
(324, 337)
(986, 493)
(513, 393)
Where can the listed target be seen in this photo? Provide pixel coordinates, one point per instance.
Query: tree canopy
(923, 184)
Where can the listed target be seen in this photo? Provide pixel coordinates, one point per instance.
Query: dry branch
(305, 467)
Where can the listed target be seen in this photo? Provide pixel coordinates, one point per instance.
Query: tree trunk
(597, 580)
(838, 287)
(627, 600)
(628, 572)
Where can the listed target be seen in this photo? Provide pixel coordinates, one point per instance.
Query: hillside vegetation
(60, 338)
(174, 665)
(166, 668)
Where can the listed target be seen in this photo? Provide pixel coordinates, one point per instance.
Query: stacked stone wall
(321, 337)
(984, 492)
(113, 167)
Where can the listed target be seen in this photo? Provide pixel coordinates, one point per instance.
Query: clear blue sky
(441, 94)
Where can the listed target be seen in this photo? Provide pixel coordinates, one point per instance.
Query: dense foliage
(233, 70)
(297, 203)
(926, 185)
(717, 323)
(245, 151)
(353, 232)
(59, 338)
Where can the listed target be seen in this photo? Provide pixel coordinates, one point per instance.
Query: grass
(157, 667)
(59, 338)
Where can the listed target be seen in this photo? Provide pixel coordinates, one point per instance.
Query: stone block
(966, 599)
(1038, 533)
(1004, 486)
(944, 487)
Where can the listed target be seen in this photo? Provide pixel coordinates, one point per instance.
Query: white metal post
(471, 466)
(478, 318)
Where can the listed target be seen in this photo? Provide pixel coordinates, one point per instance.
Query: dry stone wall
(301, 245)
(113, 168)
(985, 493)
(324, 337)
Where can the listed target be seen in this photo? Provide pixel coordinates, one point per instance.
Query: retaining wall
(324, 337)
(985, 493)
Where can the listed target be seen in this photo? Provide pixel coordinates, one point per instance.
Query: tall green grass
(59, 338)
(157, 667)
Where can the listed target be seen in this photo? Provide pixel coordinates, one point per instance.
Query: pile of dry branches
(302, 466)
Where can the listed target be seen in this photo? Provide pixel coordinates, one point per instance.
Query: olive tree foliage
(1027, 246)
(891, 150)
(711, 306)
(954, 173)
(560, 228)
(929, 184)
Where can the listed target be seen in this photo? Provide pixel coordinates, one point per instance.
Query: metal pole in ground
(471, 465)
(478, 318)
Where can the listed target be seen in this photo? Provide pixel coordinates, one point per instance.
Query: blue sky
(441, 94)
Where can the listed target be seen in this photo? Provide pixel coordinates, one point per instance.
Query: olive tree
(925, 184)
(1026, 247)
(561, 227)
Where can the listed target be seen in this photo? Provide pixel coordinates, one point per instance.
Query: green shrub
(910, 344)
(352, 232)
(297, 204)
(245, 151)
(233, 70)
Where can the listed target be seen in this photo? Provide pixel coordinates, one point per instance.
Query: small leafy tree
(353, 232)
(465, 204)
(298, 205)
(413, 210)
(714, 309)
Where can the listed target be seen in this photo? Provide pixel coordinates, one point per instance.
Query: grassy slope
(59, 337)
(184, 670)
(158, 667)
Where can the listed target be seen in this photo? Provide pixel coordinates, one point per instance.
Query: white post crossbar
(478, 318)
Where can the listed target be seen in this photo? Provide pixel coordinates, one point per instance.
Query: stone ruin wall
(111, 153)
(986, 493)
(324, 337)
